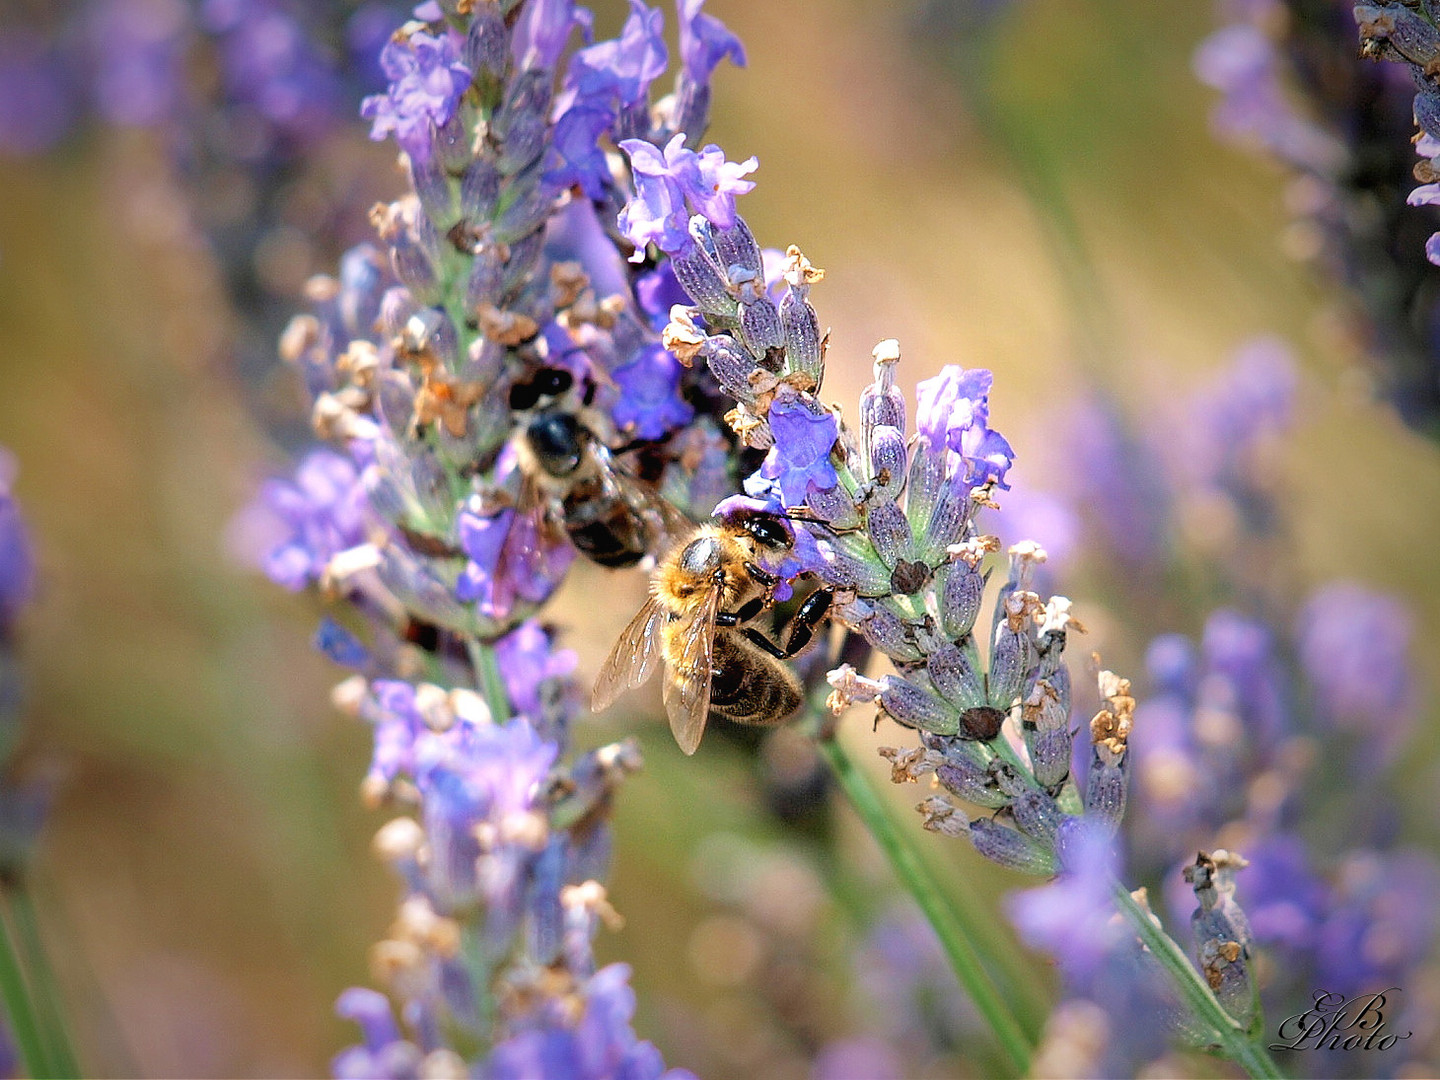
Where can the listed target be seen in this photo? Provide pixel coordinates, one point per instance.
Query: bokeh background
(1053, 207)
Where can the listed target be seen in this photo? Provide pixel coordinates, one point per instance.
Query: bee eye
(553, 381)
(523, 396)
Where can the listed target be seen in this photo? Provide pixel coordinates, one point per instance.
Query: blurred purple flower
(527, 658)
(137, 56)
(799, 462)
(650, 405)
(511, 557)
(1355, 648)
(426, 81)
(1241, 652)
(17, 559)
(383, 1054)
(294, 528)
(1285, 902)
(270, 65)
(1241, 62)
(340, 645)
(601, 1045)
(396, 723)
(1073, 918)
(1382, 922)
(37, 105)
(657, 292)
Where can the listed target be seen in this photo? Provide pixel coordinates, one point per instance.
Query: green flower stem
(50, 1011)
(1235, 1041)
(488, 680)
(19, 1010)
(925, 890)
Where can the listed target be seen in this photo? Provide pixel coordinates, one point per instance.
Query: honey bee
(610, 515)
(702, 596)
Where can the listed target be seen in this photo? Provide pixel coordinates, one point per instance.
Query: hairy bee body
(692, 624)
(610, 516)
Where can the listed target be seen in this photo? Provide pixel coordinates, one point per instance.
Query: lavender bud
(887, 633)
(422, 592)
(1222, 932)
(430, 331)
(452, 145)
(908, 701)
(834, 506)
(887, 461)
(926, 482)
(1037, 815)
(881, 404)
(702, 283)
(487, 271)
(522, 123)
(433, 187)
(803, 350)
(956, 674)
(760, 331)
(1010, 661)
(846, 571)
(396, 308)
(889, 532)
(961, 592)
(870, 575)
(1009, 848)
(1427, 112)
(546, 924)
(1106, 787)
(525, 214)
(487, 43)
(736, 247)
(520, 266)
(479, 190)
(730, 365)
(1045, 725)
(1413, 36)
(966, 771)
(484, 362)
(947, 521)
(413, 266)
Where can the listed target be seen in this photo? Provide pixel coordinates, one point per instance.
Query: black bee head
(557, 441)
(546, 383)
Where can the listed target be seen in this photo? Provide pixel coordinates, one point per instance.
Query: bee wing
(633, 659)
(687, 690)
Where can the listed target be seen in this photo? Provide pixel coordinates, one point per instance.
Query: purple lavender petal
(426, 82)
(623, 68)
(800, 458)
(650, 405)
(704, 42)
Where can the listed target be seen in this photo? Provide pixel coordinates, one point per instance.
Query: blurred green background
(205, 880)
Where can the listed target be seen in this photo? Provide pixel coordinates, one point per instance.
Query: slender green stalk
(949, 926)
(1235, 1041)
(49, 1009)
(488, 680)
(20, 1010)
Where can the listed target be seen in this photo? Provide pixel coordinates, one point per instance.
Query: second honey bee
(611, 517)
(702, 597)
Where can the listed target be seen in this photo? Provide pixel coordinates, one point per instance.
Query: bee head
(766, 529)
(545, 385)
(557, 441)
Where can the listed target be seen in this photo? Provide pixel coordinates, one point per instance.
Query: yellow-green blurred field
(205, 878)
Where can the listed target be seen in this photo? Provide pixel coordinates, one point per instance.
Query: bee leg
(761, 575)
(746, 613)
(802, 628)
(812, 612)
